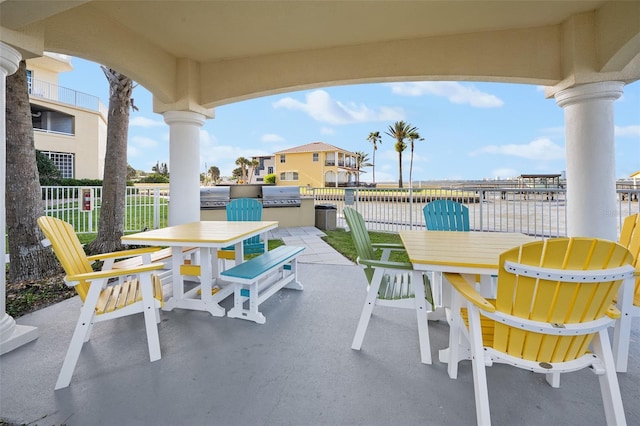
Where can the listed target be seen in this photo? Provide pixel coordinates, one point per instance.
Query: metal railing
(145, 207)
(537, 212)
(53, 92)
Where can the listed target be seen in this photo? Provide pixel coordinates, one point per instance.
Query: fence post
(156, 208)
(481, 208)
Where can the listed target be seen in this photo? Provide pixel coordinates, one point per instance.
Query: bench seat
(259, 278)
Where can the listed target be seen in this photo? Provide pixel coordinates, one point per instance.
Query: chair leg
(609, 387)
(480, 389)
(622, 330)
(150, 316)
(367, 310)
(81, 331)
(421, 313)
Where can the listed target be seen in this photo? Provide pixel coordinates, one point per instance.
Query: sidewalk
(317, 251)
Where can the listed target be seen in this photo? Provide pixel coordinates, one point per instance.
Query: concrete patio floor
(297, 369)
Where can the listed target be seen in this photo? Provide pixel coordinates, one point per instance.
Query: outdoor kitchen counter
(287, 217)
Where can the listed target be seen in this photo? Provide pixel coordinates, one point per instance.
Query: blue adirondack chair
(446, 215)
(246, 209)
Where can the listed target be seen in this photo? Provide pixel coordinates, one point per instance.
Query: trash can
(326, 216)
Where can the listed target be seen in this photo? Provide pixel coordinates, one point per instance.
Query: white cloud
(321, 107)
(539, 149)
(627, 131)
(327, 131)
(145, 122)
(271, 137)
(454, 91)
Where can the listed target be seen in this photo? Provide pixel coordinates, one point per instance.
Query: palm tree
(215, 174)
(362, 160)
(375, 139)
(413, 136)
(114, 184)
(400, 131)
(254, 165)
(29, 258)
(243, 163)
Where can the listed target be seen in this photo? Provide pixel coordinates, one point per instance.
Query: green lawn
(342, 242)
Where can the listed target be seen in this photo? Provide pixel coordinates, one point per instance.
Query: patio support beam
(590, 150)
(184, 160)
(12, 335)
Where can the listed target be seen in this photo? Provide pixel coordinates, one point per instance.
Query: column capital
(9, 58)
(604, 90)
(184, 117)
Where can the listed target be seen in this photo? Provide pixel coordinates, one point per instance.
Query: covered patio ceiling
(200, 54)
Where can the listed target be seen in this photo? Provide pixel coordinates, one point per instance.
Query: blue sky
(471, 130)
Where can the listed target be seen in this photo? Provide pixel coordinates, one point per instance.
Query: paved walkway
(317, 251)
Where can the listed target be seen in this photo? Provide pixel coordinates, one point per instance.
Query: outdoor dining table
(468, 253)
(208, 237)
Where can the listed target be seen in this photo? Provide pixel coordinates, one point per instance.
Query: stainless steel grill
(281, 196)
(215, 197)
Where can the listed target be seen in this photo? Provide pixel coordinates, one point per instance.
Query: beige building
(69, 127)
(266, 166)
(316, 164)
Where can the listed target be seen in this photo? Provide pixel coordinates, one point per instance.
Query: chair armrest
(111, 273)
(468, 291)
(378, 246)
(123, 253)
(383, 264)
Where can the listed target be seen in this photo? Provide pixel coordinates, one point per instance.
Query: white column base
(13, 335)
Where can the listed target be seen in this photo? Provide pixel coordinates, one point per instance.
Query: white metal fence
(537, 212)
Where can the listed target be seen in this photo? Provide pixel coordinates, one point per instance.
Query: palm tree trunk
(373, 165)
(23, 200)
(114, 184)
(400, 169)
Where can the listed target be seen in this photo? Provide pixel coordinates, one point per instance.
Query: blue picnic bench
(257, 279)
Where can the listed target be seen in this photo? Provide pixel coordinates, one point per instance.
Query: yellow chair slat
(551, 301)
(115, 294)
(103, 300)
(132, 294)
(122, 300)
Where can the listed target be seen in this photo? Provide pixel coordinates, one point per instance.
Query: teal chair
(391, 284)
(246, 209)
(446, 215)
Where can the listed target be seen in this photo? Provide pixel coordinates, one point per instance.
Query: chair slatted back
(630, 238)
(446, 215)
(555, 301)
(245, 209)
(360, 237)
(67, 248)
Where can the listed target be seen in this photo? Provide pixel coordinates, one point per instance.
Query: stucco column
(590, 148)
(184, 162)
(11, 334)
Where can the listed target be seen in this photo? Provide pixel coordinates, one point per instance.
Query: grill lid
(214, 196)
(281, 196)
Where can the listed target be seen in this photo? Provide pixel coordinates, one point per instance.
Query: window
(63, 161)
(288, 176)
(51, 121)
(30, 81)
(316, 157)
(282, 158)
(270, 169)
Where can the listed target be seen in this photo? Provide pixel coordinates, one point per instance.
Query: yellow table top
(202, 234)
(453, 250)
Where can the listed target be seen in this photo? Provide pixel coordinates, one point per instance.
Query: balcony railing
(53, 92)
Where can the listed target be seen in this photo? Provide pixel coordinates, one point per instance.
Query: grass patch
(343, 243)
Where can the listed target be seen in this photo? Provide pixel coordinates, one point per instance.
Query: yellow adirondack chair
(553, 305)
(629, 297)
(141, 291)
